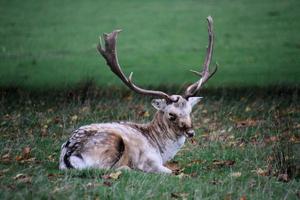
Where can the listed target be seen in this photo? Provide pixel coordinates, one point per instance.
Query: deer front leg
(124, 167)
(163, 169)
(152, 164)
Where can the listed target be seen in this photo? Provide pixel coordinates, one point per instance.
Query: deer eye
(172, 116)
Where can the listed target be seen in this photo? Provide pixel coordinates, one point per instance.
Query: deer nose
(190, 133)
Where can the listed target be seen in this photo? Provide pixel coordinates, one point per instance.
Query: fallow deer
(127, 145)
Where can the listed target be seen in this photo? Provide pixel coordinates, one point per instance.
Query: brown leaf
(19, 158)
(173, 165)
(52, 176)
(179, 195)
(228, 196)
(113, 175)
(56, 120)
(193, 141)
(26, 152)
(283, 177)
(3, 171)
(243, 197)
(6, 157)
(182, 175)
(262, 172)
(215, 182)
(235, 174)
(105, 176)
(247, 123)
(74, 118)
(194, 174)
(92, 185)
(23, 178)
(195, 162)
(107, 183)
(271, 139)
(222, 163)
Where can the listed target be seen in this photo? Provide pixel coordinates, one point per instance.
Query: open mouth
(190, 133)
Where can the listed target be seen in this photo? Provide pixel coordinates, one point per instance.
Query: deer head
(175, 109)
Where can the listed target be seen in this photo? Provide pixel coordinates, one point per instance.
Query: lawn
(51, 44)
(52, 81)
(231, 157)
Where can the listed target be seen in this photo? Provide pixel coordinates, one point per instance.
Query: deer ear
(159, 104)
(194, 100)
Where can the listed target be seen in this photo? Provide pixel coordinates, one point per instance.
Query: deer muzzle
(190, 133)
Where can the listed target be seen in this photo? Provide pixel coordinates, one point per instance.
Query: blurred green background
(51, 44)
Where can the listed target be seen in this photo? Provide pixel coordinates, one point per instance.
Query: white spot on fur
(172, 147)
(77, 163)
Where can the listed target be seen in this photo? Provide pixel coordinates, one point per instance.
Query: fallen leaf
(247, 109)
(179, 195)
(107, 183)
(18, 176)
(271, 139)
(215, 182)
(113, 175)
(6, 158)
(23, 178)
(221, 163)
(3, 171)
(173, 165)
(26, 152)
(243, 197)
(19, 158)
(283, 177)
(247, 123)
(195, 162)
(194, 174)
(128, 97)
(29, 160)
(51, 175)
(74, 118)
(146, 114)
(56, 120)
(193, 141)
(262, 172)
(235, 174)
(182, 175)
(92, 185)
(228, 196)
(105, 176)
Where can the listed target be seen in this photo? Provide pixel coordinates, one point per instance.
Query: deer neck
(163, 136)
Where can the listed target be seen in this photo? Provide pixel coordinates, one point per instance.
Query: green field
(52, 81)
(231, 157)
(51, 44)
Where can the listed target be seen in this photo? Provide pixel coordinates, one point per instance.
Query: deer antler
(110, 55)
(205, 74)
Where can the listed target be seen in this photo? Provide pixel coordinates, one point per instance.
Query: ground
(230, 158)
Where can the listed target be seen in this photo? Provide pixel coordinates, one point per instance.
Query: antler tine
(205, 74)
(110, 55)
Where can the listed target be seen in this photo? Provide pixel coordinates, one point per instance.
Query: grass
(52, 44)
(236, 132)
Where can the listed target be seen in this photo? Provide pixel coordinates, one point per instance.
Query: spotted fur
(145, 147)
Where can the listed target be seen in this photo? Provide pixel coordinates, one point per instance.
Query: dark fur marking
(69, 153)
(120, 147)
(67, 156)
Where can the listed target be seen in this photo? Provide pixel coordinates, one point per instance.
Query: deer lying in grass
(128, 145)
